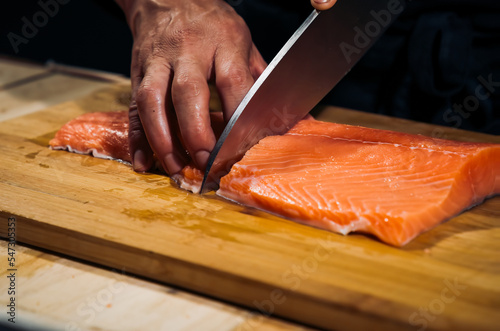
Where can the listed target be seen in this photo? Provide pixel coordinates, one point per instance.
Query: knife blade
(322, 51)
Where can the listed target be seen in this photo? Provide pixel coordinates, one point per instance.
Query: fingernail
(172, 163)
(201, 158)
(139, 161)
(319, 2)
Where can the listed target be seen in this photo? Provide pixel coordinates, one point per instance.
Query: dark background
(83, 33)
(94, 34)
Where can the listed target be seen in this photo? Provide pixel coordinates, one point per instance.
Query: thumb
(323, 4)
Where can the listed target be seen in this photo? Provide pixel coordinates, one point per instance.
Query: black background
(83, 33)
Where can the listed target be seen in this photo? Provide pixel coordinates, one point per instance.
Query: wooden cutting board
(103, 212)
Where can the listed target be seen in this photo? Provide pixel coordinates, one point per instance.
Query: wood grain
(101, 211)
(13, 71)
(42, 93)
(60, 294)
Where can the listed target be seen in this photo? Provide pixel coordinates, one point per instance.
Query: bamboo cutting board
(103, 212)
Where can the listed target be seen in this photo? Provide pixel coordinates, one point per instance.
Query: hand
(180, 45)
(323, 4)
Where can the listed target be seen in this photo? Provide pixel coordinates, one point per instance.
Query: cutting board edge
(262, 299)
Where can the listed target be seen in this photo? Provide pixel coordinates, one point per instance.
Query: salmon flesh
(336, 177)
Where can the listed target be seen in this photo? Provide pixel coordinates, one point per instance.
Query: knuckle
(195, 134)
(146, 93)
(233, 77)
(134, 120)
(187, 84)
(135, 136)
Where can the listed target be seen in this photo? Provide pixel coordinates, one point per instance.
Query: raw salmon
(346, 178)
(189, 178)
(103, 135)
(336, 177)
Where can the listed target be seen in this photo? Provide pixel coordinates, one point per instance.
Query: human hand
(323, 4)
(180, 45)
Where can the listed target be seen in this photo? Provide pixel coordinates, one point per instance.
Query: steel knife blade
(318, 55)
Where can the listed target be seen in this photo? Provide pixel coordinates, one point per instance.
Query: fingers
(140, 152)
(234, 76)
(176, 50)
(152, 99)
(257, 63)
(233, 79)
(190, 96)
(154, 129)
(323, 4)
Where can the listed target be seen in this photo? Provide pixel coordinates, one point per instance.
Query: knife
(322, 51)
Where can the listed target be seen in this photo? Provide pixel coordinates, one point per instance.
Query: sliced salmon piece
(336, 177)
(189, 178)
(346, 178)
(103, 135)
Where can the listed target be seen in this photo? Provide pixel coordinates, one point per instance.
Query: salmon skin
(336, 177)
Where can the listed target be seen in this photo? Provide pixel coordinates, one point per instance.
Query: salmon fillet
(346, 178)
(337, 177)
